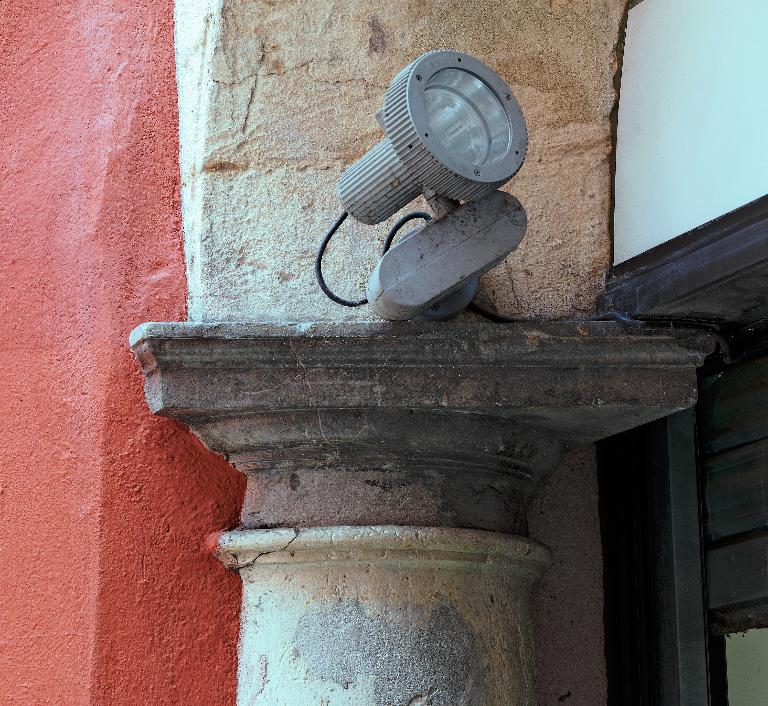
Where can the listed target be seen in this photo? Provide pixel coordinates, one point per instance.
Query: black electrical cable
(618, 318)
(400, 223)
(605, 316)
(496, 318)
(626, 320)
(387, 244)
(319, 265)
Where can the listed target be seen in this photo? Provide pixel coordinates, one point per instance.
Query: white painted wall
(693, 111)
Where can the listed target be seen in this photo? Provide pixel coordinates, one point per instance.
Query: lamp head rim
(421, 71)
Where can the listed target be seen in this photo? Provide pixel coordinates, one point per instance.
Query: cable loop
(395, 228)
(319, 266)
(387, 244)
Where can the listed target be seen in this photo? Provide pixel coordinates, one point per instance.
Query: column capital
(382, 543)
(409, 424)
(581, 381)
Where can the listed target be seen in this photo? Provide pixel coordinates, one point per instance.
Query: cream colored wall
(277, 98)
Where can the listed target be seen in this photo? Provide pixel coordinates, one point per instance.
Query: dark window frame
(663, 573)
(656, 644)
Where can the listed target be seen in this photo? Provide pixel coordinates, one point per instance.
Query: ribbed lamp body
(377, 185)
(401, 167)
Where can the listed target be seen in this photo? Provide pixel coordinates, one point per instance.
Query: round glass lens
(466, 117)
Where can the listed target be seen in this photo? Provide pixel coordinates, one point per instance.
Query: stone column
(399, 572)
(383, 543)
(379, 615)
(383, 538)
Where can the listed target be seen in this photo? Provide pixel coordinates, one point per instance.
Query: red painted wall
(107, 596)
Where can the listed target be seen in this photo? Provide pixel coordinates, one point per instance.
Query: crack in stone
(308, 66)
(236, 82)
(251, 97)
(242, 566)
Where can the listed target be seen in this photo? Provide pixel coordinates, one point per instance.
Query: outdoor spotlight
(454, 133)
(452, 127)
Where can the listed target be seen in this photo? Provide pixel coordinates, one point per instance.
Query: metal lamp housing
(429, 108)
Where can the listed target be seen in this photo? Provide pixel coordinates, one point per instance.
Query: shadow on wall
(563, 514)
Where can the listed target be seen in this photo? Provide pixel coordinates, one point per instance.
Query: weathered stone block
(276, 99)
(385, 615)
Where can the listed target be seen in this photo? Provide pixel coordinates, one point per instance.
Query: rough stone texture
(385, 616)
(276, 99)
(430, 657)
(570, 662)
(417, 424)
(387, 492)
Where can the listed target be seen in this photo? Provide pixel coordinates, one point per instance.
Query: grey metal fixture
(439, 264)
(452, 126)
(454, 133)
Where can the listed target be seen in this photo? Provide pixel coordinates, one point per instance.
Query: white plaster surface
(367, 616)
(692, 139)
(277, 98)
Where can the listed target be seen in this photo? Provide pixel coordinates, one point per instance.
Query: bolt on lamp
(455, 133)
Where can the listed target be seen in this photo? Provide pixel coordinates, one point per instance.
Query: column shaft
(385, 616)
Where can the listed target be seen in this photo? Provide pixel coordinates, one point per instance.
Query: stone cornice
(409, 424)
(580, 380)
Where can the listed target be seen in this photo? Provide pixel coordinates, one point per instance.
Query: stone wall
(570, 662)
(277, 98)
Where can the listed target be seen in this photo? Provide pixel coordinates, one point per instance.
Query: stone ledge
(241, 549)
(581, 380)
(442, 425)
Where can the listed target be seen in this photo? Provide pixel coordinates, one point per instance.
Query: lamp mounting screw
(477, 172)
(418, 77)
(508, 96)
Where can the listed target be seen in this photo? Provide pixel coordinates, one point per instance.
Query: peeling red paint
(108, 596)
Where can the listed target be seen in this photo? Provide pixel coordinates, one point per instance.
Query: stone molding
(245, 548)
(580, 380)
(409, 424)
